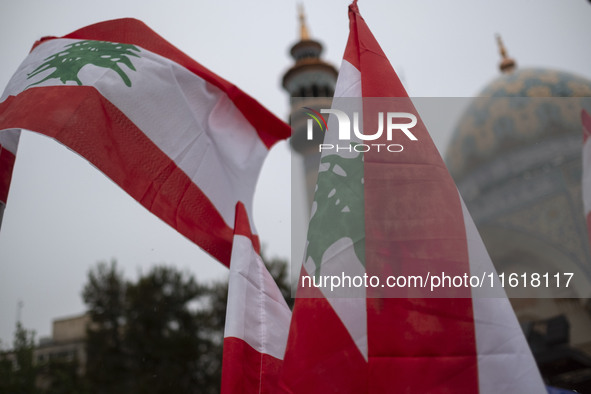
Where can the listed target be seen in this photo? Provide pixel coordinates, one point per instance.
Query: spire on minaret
(310, 76)
(304, 35)
(310, 82)
(507, 64)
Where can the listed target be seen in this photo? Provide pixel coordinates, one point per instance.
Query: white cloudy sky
(63, 216)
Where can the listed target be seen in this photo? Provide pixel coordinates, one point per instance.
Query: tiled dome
(515, 111)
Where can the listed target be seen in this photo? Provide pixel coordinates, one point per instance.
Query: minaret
(310, 82)
(507, 64)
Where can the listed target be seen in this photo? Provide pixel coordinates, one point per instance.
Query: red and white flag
(257, 319)
(586, 182)
(379, 214)
(185, 143)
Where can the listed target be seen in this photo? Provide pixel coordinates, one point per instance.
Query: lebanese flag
(586, 183)
(379, 213)
(257, 319)
(185, 143)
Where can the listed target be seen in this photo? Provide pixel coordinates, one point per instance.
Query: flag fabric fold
(182, 141)
(373, 340)
(257, 319)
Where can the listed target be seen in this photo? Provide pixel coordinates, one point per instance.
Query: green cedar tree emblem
(340, 208)
(68, 63)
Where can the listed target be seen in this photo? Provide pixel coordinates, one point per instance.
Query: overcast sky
(63, 216)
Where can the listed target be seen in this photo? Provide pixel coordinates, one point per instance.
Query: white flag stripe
(348, 303)
(336, 259)
(349, 81)
(505, 362)
(216, 150)
(257, 312)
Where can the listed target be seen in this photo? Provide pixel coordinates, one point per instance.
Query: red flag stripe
(413, 223)
(321, 356)
(111, 142)
(7, 159)
(362, 51)
(248, 371)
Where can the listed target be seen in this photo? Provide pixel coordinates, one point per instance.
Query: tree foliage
(61, 377)
(21, 373)
(104, 295)
(160, 334)
(17, 370)
(170, 346)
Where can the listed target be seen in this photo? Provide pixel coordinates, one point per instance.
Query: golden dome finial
(304, 35)
(507, 64)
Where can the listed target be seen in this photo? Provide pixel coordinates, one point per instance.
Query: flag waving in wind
(257, 319)
(179, 139)
(385, 205)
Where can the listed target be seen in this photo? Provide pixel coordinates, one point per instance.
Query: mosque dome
(514, 111)
(516, 158)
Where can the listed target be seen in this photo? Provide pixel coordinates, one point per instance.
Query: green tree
(161, 334)
(62, 377)
(104, 295)
(18, 374)
(212, 318)
(164, 333)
